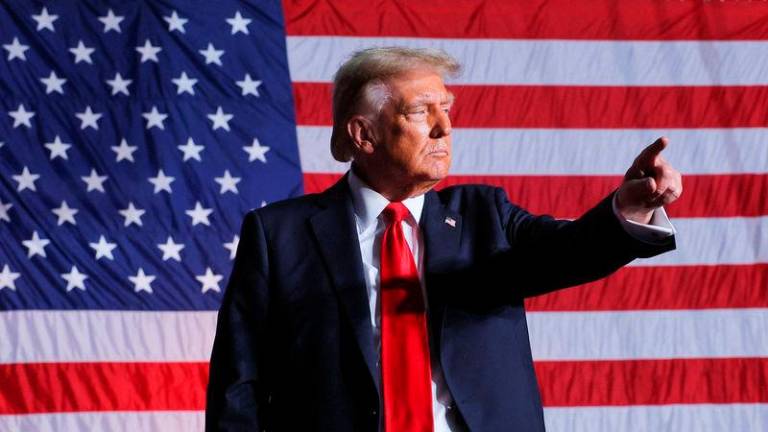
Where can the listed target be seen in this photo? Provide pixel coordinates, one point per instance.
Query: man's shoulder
(461, 195)
(299, 209)
(294, 208)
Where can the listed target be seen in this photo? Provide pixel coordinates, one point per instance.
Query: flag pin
(450, 221)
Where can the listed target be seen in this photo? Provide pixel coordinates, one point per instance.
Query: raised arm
(551, 254)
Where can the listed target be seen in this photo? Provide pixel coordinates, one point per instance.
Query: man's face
(415, 131)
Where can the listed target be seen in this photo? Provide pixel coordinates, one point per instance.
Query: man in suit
(381, 304)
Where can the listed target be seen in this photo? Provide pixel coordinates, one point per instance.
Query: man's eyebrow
(427, 98)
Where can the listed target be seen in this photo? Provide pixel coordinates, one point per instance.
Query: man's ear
(360, 130)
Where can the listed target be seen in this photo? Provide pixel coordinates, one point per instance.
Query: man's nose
(441, 125)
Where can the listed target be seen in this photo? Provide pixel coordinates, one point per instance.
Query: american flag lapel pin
(450, 221)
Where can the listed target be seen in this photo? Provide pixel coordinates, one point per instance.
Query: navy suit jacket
(294, 346)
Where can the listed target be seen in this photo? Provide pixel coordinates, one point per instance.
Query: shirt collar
(369, 204)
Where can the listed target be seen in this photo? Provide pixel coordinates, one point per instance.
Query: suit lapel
(441, 227)
(334, 228)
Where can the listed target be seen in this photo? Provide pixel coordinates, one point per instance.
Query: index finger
(649, 153)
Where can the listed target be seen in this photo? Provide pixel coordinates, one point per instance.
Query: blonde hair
(359, 85)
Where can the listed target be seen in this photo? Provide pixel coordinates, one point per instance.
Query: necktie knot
(395, 212)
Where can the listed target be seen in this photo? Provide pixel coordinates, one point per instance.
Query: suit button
(374, 412)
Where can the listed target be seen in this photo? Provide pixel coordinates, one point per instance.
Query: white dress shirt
(368, 205)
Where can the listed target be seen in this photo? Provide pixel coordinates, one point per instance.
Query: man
(381, 304)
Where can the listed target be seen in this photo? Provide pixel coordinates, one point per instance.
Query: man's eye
(418, 114)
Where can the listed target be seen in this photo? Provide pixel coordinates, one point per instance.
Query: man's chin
(437, 173)
(440, 168)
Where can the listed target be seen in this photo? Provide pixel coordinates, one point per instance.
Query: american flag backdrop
(135, 135)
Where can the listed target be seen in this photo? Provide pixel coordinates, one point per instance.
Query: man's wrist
(658, 228)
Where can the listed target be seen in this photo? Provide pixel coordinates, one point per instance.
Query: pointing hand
(650, 182)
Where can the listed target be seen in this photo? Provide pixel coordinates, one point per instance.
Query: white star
(171, 250)
(191, 150)
(149, 52)
(256, 151)
(232, 246)
(220, 120)
(88, 118)
(142, 281)
(16, 50)
(249, 86)
(184, 84)
(162, 182)
(35, 245)
(227, 182)
(103, 248)
(53, 83)
(238, 23)
(175, 22)
(199, 214)
(65, 214)
(82, 53)
(4, 211)
(94, 181)
(263, 203)
(7, 278)
(212, 55)
(21, 116)
(58, 148)
(111, 21)
(132, 215)
(75, 279)
(119, 85)
(210, 280)
(45, 21)
(124, 151)
(154, 118)
(26, 180)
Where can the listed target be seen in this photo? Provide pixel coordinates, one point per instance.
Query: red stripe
(312, 102)
(570, 196)
(578, 106)
(654, 288)
(653, 382)
(537, 19)
(68, 387)
(77, 387)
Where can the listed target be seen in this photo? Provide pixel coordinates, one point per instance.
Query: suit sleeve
(549, 254)
(237, 391)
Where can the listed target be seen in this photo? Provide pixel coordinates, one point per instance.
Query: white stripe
(556, 62)
(713, 241)
(621, 335)
(678, 418)
(67, 336)
(159, 421)
(81, 336)
(574, 151)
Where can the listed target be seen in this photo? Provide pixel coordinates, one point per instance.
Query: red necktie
(405, 368)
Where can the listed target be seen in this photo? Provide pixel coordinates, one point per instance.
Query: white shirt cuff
(656, 231)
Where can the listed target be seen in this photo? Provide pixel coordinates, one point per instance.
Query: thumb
(637, 193)
(645, 186)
